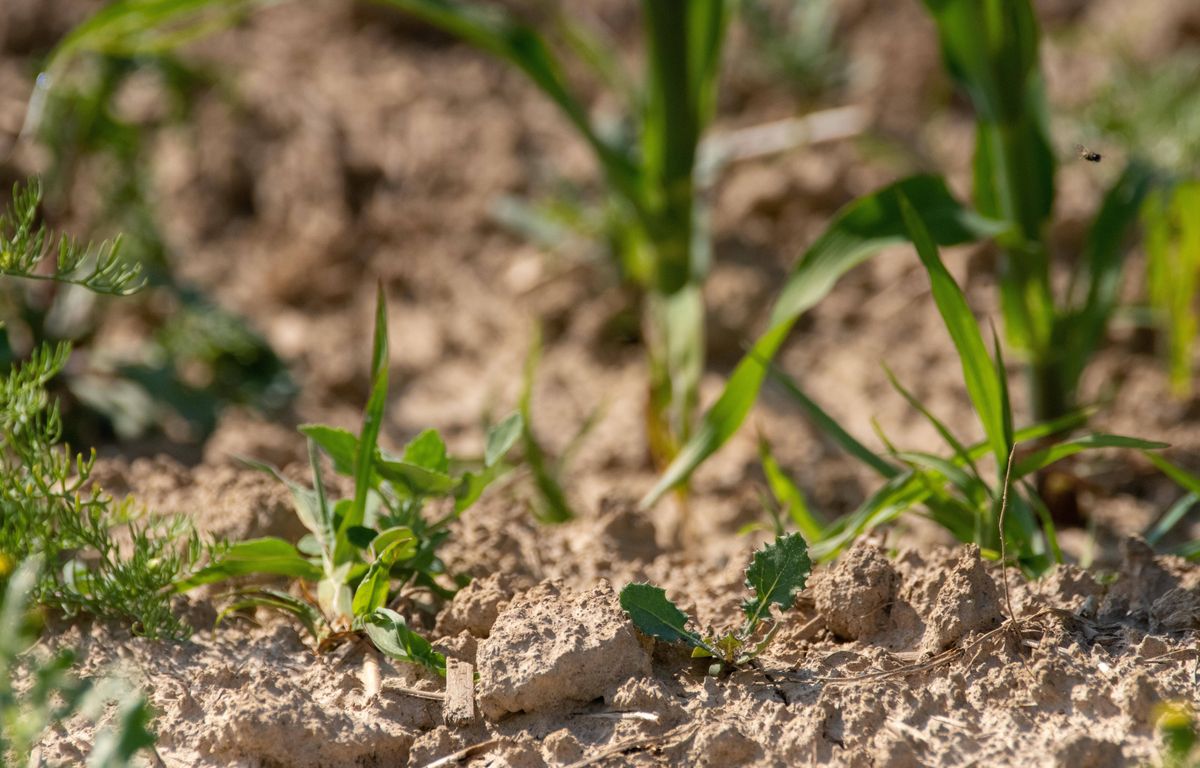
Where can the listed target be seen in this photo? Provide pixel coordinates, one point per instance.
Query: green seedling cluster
(369, 552)
(952, 489)
(50, 693)
(776, 574)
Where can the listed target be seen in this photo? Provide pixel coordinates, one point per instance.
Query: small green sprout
(777, 572)
(368, 553)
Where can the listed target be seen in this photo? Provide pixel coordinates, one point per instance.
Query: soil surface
(346, 146)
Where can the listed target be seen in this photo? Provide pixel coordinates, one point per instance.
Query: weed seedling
(777, 572)
(369, 553)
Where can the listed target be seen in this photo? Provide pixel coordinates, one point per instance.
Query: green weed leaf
(777, 572)
(266, 555)
(428, 451)
(391, 635)
(501, 438)
(652, 613)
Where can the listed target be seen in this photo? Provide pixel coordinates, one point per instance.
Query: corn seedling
(49, 693)
(858, 231)
(775, 575)
(367, 552)
(661, 246)
(951, 489)
(991, 50)
(1173, 270)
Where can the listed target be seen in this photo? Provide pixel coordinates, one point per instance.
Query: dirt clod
(552, 646)
(854, 596)
(967, 601)
(475, 608)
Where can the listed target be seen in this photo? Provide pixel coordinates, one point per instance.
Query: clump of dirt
(856, 594)
(553, 646)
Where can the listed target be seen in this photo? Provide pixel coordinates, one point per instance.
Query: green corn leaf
(960, 451)
(265, 555)
(656, 616)
(899, 494)
(131, 27)
(1047, 456)
(390, 634)
(1103, 259)
(979, 372)
(777, 572)
(501, 438)
(494, 31)
(787, 493)
(858, 231)
(1171, 518)
(1186, 480)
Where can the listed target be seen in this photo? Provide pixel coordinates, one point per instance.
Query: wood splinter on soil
(459, 707)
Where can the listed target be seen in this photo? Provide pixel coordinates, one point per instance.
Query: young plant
(951, 489)
(1173, 271)
(107, 559)
(659, 238)
(990, 47)
(49, 693)
(368, 552)
(777, 572)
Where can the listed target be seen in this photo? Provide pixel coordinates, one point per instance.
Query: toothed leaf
(776, 574)
(655, 615)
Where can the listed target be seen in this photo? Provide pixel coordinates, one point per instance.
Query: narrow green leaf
(368, 436)
(979, 372)
(1103, 259)
(656, 616)
(492, 30)
(787, 493)
(305, 612)
(960, 451)
(267, 555)
(1047, 456)
(830, 428)
(777, 572)
(502, 437)
(858, 231)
